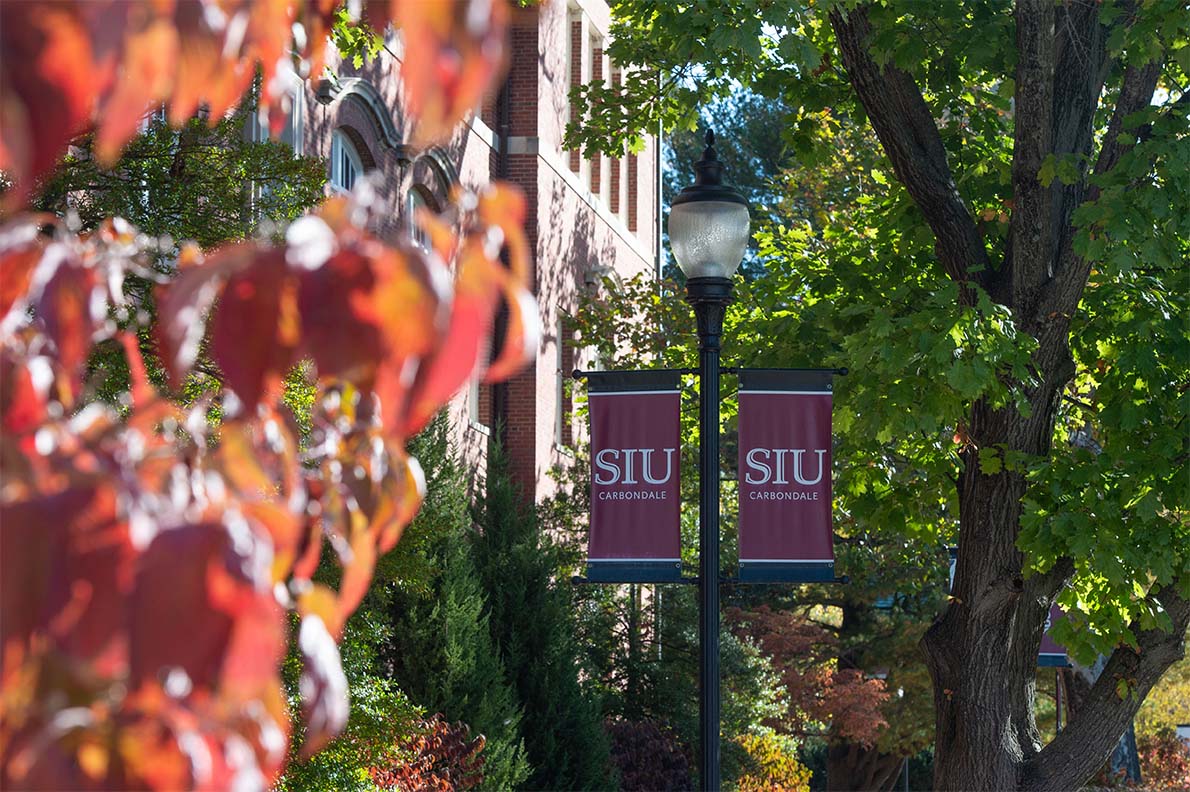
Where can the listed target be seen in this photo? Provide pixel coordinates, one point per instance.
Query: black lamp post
(708, 232)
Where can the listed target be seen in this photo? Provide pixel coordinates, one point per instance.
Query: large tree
(1037, 213)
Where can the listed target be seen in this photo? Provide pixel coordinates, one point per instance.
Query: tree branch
(1082, 746)
(1081, 67)
(906, 129)
(1062, 294)
(1032, 232)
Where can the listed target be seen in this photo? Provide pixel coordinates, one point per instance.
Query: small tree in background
(205, 182)
(532, 620)
(443, 654)
(649, 757)
(438, 756)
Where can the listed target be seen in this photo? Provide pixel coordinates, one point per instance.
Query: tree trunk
(850, 767)
(982, 651)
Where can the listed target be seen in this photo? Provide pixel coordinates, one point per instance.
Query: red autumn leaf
(522, 335)
(340, 324)
(67, 567)
(83, 609)
(21, 249)
(202, 70)
(183, 304)
(175, 578)
(285, 530)
(28, 553)
(480, 281)
(146, 75)
(311, 551)
(357, 573)
(399, 507)
(69, 311)
(48, 83)
(147, 550)
(254, 327)
(455, 360)
(454, 49)
(142, 391)
(255, 649)
(55, 755)
(22, 402)
(503, 206)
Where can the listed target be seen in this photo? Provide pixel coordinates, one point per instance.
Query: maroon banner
(785, 476)
(635, 463)
(1052, 654)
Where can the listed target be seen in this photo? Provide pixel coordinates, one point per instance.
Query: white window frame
(346, 165)
(417, 235)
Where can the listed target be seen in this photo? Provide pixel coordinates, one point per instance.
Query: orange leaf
(455, 360)
(454, 50)
(49, 79)
(521, 337)
(255, 648)
(252, 339)
(146, 76)
(142, 391)
(357, 574)
(390, 523)
(21, 249)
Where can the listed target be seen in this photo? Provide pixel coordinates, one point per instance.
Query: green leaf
(1049, 169)
(989, 461)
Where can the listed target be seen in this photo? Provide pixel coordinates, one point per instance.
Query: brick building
(587, 218)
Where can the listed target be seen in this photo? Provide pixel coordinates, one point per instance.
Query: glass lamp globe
(709, 222)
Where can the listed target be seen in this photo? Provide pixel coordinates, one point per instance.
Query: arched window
(346, 165)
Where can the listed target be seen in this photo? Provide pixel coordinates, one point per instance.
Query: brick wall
(582, 216)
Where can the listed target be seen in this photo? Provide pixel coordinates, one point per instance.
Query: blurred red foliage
(67, 65)
(148, 555)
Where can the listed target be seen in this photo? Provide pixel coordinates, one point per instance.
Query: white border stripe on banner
(790, 393)
(603, 560)
(787, 560)
(675, 391)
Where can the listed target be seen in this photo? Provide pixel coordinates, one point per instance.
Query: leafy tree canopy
(989, 226)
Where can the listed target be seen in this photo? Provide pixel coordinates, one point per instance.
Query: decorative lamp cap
(708, 179)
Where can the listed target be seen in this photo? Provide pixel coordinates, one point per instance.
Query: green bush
(532, 623)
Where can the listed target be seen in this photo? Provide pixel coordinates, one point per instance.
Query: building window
(595, 75)
(574, 75)
(295, 124)
(415, 201)
(346, 165)
(479, 395)
(295, 127)
(564, 424)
